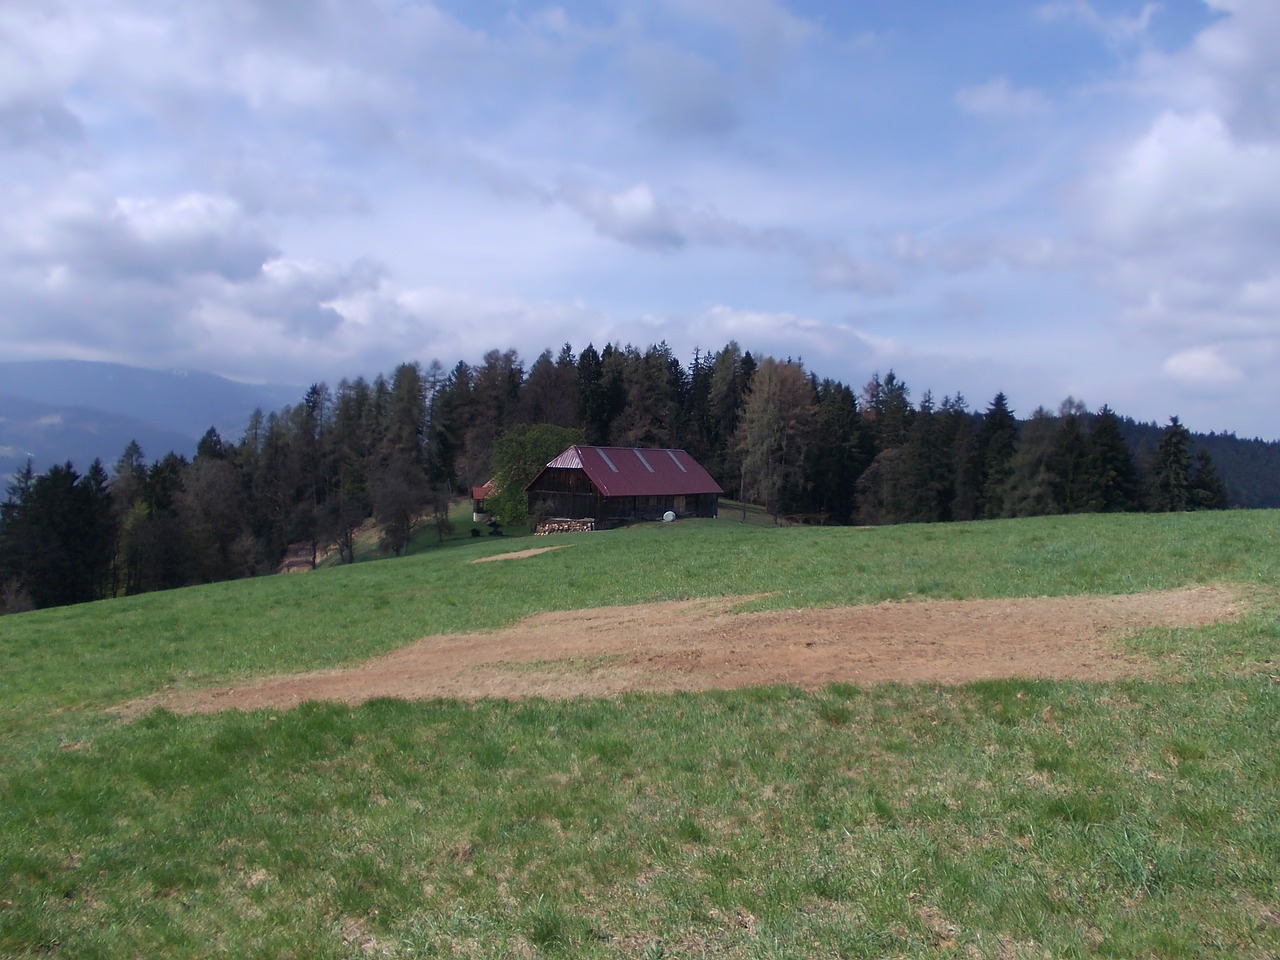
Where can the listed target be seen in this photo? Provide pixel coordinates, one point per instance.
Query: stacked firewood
(564, 525)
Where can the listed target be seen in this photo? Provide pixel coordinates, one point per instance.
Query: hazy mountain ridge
(52, 411)
(46, 435)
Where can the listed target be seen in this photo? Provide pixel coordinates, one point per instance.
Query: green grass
(1002, 819)
(746, 513)
(425, 538)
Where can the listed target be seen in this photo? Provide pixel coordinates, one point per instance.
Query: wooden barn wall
(561, 492)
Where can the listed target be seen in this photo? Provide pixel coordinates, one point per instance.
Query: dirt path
(518, 555)
(702, 644)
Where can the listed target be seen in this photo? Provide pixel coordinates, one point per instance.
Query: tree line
(400, 448)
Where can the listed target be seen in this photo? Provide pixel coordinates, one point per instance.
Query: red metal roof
(637, 472)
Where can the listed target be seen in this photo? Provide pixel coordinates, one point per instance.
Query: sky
(1065, 198)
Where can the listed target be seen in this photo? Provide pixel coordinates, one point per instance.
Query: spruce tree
(726, 393)
(1112, 476)
(349, 500)
(1171, 470)
(1068, 465)
(693, 432)
(1029, 491)
(923, 488)
(887, 404)
(1207, 490)
(965, 459)
(840, 453)
(18, 543)
(997, 443)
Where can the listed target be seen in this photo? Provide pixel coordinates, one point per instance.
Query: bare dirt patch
(518, 555)
(704, 644)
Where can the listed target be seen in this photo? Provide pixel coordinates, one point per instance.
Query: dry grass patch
(704, 645)
(519, 554)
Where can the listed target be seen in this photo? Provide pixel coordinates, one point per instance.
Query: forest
(401, 448)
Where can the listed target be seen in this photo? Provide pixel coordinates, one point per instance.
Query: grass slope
(369, 546)
(1001, 819)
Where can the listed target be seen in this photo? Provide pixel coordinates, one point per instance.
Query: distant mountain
(186, 401)
(57, 410)
(48, 435)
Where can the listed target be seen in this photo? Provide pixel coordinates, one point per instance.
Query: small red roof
(636, 471)
(480, 493)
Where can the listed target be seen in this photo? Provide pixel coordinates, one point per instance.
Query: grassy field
(998, 819)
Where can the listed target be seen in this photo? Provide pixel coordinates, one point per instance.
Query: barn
(614, 484)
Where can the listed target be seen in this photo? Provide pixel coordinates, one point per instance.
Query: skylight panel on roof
(676, 460)
(645, 462)
(605, 457)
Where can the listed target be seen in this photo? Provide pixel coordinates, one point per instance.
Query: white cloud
(998, 100)
(1202, 366)
(282, 188)
(1181, 221)
(633, 215)
(1232, 69)
(160, 239)
(767, 33)
(1187, 179)
(637, 216)
(1116, 29)
(157, 240)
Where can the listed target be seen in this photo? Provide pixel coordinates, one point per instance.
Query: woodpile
(297, 558)
(564, 525)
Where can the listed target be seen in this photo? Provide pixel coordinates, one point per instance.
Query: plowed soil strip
(702, 645)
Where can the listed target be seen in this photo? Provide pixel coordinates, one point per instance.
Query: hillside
(1130, 812)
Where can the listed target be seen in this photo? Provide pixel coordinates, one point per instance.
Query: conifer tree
(349, 500)
(1029, 491)
(1207, 491)
(1112, 476)
(887, 406)
(926, 481)
(840, 453)
(694, 428)
(1171, 470)
(213, 513)
(654, 384)
(18, 543)
(613, 389)
(726, 393)
(591, 401)
(549, 393)
(966, 467)
(56, 538)
(400, 490)
(494, 407)
(1068, 464)
(997, 442)
(451, 415)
